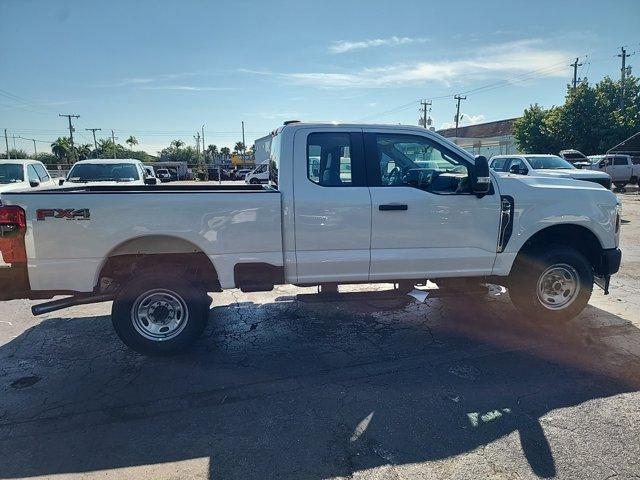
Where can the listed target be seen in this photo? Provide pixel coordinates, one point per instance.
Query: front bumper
(609, 263)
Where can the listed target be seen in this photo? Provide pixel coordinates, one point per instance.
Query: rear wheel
(620, 186)
(554, 284)
(160, 314)
(254, 181)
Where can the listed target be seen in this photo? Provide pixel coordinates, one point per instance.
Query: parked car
(163, 175)
(546, 166)
(260, 174)
(108, 171)
(621, 168)
(21, 174)
(223, 174)
(241, 173)
(383, 219)
(575, 158)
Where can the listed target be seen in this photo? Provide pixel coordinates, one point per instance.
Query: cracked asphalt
(452, 388)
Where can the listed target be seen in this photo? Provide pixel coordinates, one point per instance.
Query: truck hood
(577, 174)
(555, 185)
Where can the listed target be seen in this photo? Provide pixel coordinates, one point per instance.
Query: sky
(159, 70)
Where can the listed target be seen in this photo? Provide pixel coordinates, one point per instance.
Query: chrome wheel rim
(159, 315)
(558, 286)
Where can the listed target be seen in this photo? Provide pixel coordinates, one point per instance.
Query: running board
(418, 294)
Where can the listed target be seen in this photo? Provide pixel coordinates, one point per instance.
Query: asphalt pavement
(451, 388)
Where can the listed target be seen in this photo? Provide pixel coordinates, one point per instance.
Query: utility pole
(204, 150)
(196, 137)
(70, 125)
(425, 111)
(244, 146)
(623, 73)
(458, 98)
(95, 143)
(113, 141)
(35, 150)
(575, 66)
(6, 142)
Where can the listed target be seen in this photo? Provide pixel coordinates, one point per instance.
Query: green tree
(212, 149)
(590, 120)
(239, 147)
(84, 151)
(131, 141)
(225, 151)
(177, 144)
(15, 153)
(61, 148)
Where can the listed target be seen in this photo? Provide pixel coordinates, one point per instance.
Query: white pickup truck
(345, 204)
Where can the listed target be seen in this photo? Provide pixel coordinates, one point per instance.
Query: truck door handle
(392, 206)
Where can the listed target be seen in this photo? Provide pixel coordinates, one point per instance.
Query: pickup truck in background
(344, 204)
(21, 174)
(108, 171)
(620, 167)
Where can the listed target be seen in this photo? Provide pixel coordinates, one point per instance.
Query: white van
(260, 174)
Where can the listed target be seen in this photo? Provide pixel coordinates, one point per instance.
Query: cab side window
(333, 161)
(405, 160)
(42, 172)
(620, 161)
(500, 164)
(517, 166)
(32, 174)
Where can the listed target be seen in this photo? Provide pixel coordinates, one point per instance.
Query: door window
(330, 161)
(412, 160)
(620, 161)
(518, 166)
(500, 164)
(42, 172)
(32, 174)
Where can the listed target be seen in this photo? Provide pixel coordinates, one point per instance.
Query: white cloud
(494, 61)
(465, 120)
(343, 46)
(187, 88)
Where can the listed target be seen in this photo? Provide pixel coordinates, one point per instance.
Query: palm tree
(131, 141)
(239, 147)
(84, 151)
(225, 151)
(212, 149)
(177, 144)
(61, 147)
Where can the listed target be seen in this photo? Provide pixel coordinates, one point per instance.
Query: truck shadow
(291, 390)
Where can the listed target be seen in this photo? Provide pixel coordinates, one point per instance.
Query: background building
(488, 139)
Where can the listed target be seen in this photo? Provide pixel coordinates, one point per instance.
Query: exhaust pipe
(55, 305)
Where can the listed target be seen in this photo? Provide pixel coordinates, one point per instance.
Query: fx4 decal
(66, 213)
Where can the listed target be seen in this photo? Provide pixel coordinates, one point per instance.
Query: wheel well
(575, 236)
(167, 253)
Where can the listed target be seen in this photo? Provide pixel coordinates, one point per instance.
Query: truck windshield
(11, 173)
(103, 172)
(549, 163)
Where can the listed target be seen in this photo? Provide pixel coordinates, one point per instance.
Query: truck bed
(71, 231)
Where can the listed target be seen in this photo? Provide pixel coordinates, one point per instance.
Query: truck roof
(108, 160)
(19, 160)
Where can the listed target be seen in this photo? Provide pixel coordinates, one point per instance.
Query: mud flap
(603, 282)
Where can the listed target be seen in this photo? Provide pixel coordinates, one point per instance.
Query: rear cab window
(334, 159)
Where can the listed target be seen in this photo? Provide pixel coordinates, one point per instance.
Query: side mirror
(150, 181)
(480, 177)
(61, 181)
(34, 183)
(601, 164)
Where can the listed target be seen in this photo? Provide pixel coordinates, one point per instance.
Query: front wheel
(158, 314)
(554, 284)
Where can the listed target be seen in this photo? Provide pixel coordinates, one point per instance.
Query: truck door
(332, 206)
(434, 227)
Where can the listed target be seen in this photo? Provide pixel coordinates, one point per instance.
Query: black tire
(188, 302)
(620, 186)
(555, 261)
(254, 181)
